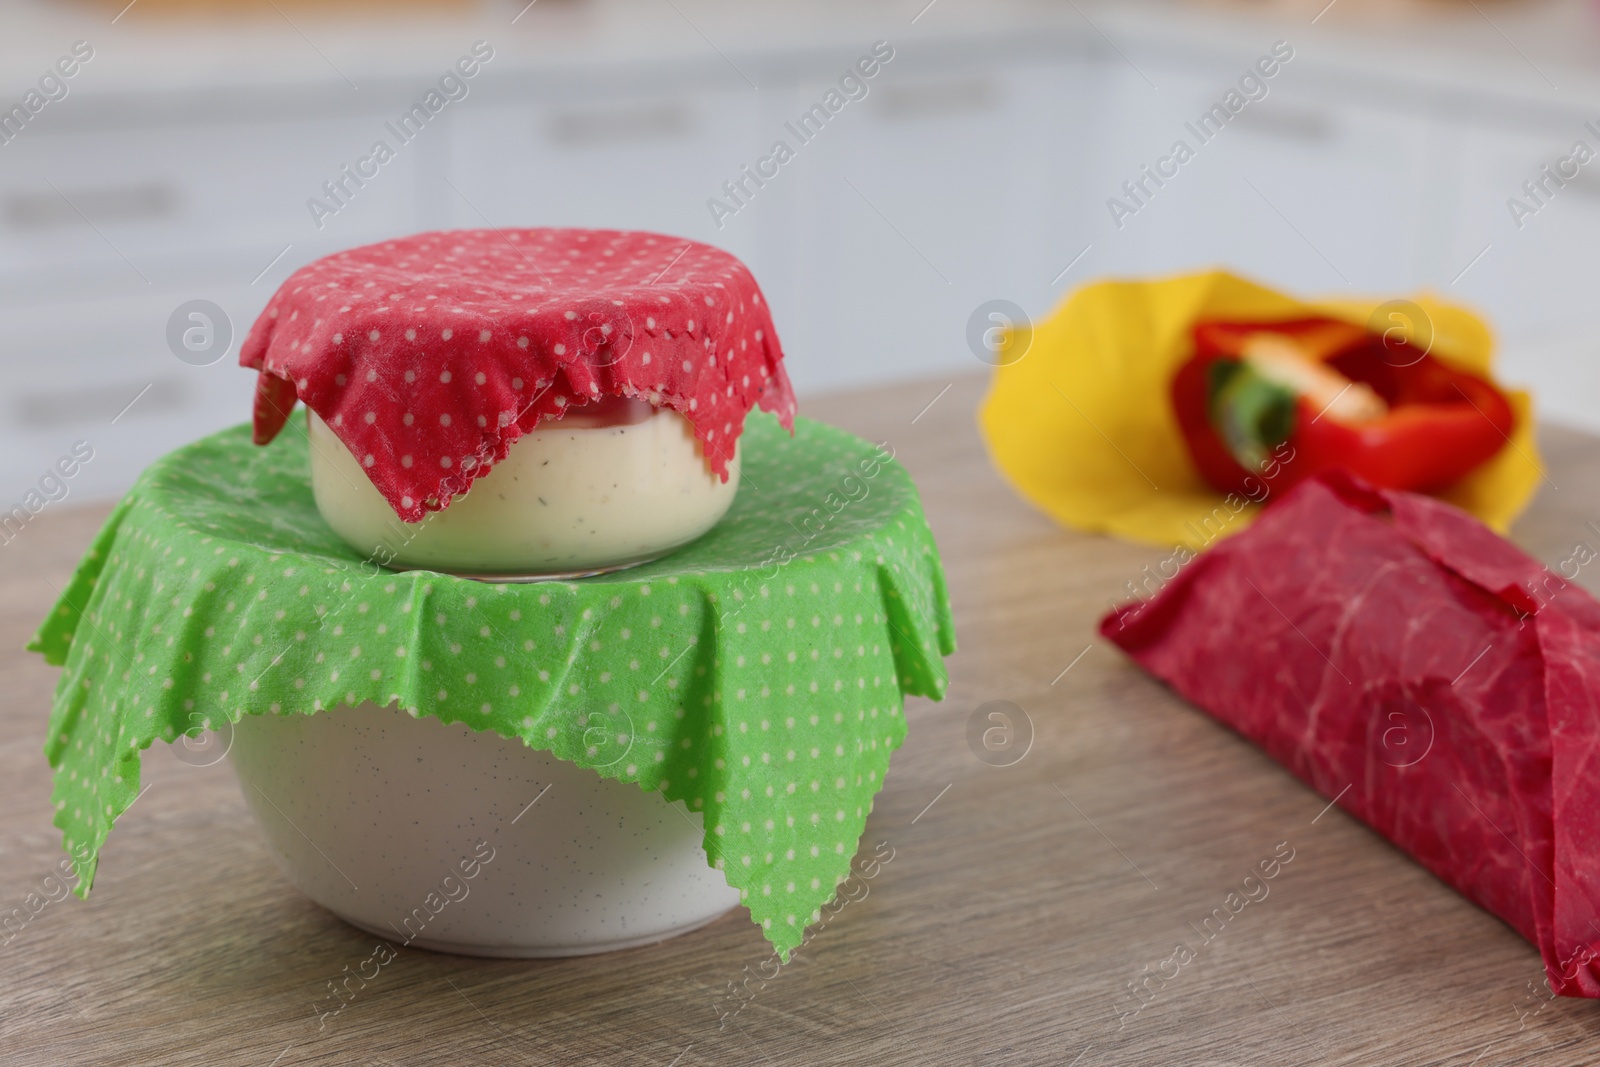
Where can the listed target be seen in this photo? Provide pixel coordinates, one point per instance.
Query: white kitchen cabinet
(920, 202)
(616, 160)
(101, 372)
(117, 208)
(1536, 282)
(1303, 189)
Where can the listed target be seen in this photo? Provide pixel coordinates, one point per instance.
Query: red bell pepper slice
(1403, 419)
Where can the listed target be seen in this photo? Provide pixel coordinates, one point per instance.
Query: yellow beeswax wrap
(1082, 423)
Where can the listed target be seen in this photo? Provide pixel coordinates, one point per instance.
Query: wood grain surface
(1021, 901)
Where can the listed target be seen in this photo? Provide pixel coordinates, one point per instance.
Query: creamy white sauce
(567, 498)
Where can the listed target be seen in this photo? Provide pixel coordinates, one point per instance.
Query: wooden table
(1020, 902)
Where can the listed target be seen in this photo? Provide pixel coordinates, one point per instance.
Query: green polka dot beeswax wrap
(757, 675)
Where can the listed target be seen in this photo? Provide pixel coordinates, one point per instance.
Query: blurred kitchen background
(177, 161)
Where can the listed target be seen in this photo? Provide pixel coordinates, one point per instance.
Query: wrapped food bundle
(1425, 674)
(591, 386)
(1167, 411)
(505, 558)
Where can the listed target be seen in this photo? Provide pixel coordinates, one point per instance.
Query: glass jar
(609, 485)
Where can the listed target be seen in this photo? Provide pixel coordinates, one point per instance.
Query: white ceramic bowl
(422, 833)
(584, 494)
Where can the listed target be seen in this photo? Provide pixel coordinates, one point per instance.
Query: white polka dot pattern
(757, 675)
(478, 335)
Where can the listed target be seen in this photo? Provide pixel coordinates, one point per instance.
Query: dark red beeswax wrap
(428, 356)
(1400, 657)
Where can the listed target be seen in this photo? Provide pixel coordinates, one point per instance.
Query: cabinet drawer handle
(1262, 119)
(604, 126)
(109, 205)
(937, 99)
(1585, 183)
(96, 403)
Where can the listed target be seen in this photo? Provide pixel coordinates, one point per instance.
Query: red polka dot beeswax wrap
(453, 344)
